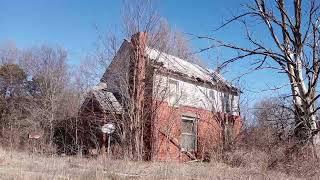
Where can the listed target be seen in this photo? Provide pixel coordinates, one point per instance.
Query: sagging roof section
(107, 101)
(178, 65)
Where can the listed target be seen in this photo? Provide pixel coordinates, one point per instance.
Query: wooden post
(104, 138)
(103, 149)
(107, 129)
(109, 142)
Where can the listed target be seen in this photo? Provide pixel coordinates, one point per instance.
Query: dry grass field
(14, 165)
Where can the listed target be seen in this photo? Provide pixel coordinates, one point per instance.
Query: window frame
(170, 94)
(211, 94)
(226, 103)
(195, 134)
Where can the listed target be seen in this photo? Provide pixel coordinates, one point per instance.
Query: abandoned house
(188, 110)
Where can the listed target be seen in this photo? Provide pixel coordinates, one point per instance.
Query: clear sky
(70, 24)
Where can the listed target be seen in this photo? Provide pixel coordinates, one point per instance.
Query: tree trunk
(304, 107)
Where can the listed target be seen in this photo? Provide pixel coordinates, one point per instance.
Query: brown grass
(14, 165)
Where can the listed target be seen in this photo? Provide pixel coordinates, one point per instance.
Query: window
(173, 92)
(188, 134)
(211, 94)
(226, 103)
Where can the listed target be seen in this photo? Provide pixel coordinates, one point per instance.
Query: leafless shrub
(269, 145)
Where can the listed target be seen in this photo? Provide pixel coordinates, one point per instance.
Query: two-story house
(194, 110)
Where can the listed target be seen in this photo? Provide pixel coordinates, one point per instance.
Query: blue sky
(70, 24)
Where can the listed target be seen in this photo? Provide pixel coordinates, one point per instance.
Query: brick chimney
(137, 72)
(140, 84)
(139, 41)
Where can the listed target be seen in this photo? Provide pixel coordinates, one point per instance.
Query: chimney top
(139, 39)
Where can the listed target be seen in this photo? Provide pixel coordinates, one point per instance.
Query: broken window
(226, 103)
(188, 134)
(173, 92)
(211, 94)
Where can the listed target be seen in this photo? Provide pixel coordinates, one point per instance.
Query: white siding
(235, 105)
(193, 95)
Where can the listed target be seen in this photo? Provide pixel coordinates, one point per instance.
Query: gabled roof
(176, 64)
(107, 101)
(191, 70)
(182, 67)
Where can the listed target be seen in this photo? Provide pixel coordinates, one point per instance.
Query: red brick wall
(168, 120)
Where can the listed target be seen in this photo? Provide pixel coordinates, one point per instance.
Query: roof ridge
(175, 57)
(177, 64)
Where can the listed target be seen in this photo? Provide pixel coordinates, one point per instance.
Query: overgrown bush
(270, 144)
(254, 151)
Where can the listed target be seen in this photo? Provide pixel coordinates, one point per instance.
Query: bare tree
(13, 99)
(8, 53)
(38, 97)
(274, 115)
(294, 52)
(143, 16)
(47, 67)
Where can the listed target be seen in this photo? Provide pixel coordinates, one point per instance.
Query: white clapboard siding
(193, 95)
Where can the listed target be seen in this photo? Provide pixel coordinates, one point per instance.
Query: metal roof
(106, 99)
(176, 64)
